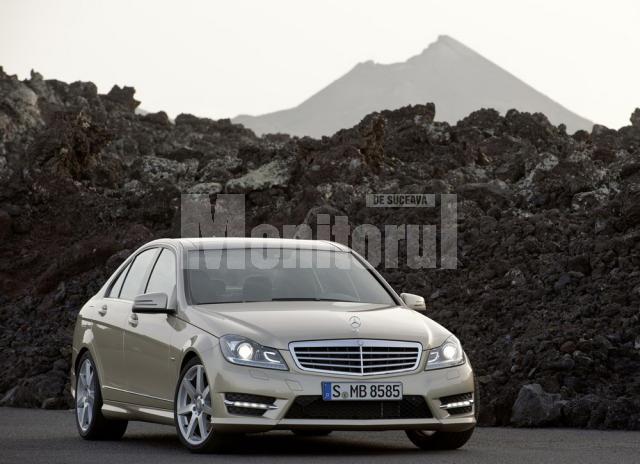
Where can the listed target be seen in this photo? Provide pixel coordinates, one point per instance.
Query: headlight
(446, 355)
(241, 350)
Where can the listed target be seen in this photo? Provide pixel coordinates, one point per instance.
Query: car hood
(276, 324)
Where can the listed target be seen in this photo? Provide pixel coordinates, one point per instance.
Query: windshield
(275, 274)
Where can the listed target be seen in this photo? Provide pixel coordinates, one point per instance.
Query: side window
(134, 283)
(163, 276)
(114, 292)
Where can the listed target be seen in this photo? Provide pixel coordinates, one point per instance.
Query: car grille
(356, 356)
(314, 407)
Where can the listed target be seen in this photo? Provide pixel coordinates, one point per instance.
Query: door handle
(133, 320)
(103, 310)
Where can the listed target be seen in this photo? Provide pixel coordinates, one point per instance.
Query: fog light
(457, 404)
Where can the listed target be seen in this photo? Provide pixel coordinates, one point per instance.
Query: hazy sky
(222, 58)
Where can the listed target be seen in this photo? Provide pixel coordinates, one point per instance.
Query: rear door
(147, 341)
(109, 318)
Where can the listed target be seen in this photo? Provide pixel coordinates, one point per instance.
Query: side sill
(117, 410)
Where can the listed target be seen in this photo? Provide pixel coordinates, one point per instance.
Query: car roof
(248, 242)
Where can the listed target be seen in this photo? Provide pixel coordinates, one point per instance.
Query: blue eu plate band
(326, 391)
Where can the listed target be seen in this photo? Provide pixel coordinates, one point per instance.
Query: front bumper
(285, 386)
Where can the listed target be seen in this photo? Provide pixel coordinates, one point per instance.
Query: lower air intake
(313, 407)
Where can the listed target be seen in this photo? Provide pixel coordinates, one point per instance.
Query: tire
(192, 410)
(446, 440)
(476, 398)
(311, 432)
(90, 422)
(439, 440)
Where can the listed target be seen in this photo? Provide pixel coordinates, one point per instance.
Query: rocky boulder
(535, 408)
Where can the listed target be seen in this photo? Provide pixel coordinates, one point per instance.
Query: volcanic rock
(544, 296)
(534, 407)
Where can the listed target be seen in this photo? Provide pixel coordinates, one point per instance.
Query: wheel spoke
(205, 393)
(199, 379)
(87, 373)
(186, 409)
(192, 426)
(83, 416)
(208, 410)
(188, 387)
(82, 381)
(202, 426)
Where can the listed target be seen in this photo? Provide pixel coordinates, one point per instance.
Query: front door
(147, 342)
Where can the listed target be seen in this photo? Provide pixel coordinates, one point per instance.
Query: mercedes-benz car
(226, 336)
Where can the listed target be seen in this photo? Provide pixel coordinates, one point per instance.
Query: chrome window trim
(356, 342)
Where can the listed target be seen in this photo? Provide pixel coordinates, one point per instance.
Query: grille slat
(326, 358)
(331, 364)
(356, 356)
(377, 366)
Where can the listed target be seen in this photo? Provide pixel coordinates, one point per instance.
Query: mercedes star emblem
(355, 323)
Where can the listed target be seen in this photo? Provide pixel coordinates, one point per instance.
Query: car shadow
(285, 444)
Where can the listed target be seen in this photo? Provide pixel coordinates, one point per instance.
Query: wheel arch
(195, 344)
(188, 356)
(84, 348)
(81, 352)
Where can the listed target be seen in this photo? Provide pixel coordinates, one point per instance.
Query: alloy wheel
(193, 408)
(85, 395)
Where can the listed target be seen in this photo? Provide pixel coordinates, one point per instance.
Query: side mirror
(414, 302)
(151, 303)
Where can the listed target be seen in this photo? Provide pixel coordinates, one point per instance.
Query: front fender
(192, 341)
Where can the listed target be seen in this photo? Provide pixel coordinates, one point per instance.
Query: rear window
(114, 292)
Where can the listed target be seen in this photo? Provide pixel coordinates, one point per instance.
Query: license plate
(367, 391)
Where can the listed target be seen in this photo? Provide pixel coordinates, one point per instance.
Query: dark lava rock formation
(545, 297)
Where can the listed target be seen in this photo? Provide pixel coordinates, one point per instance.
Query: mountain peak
(444, 45)
(450, 74)
(446, 39)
